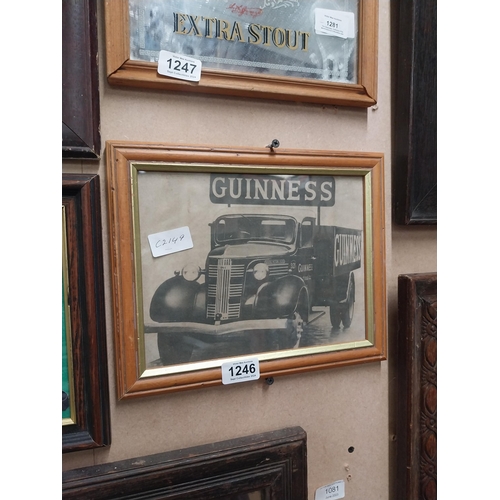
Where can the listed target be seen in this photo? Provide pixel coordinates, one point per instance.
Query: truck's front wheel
(173, 350)
(296, 323)
(296, 329)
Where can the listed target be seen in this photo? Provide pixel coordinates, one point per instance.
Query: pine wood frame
(92, 428)
(121, 71)
(131, 381)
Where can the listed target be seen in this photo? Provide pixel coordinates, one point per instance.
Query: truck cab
(264, 273)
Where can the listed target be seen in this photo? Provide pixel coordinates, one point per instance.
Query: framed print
(85, 391)
(415, 120)
(258, 467)
(81, 138)
(219, 254)
(416, 472)
(323, 51)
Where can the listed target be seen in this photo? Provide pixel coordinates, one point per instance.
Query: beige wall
(337, 408)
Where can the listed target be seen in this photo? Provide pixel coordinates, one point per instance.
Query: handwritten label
(178, 66)
(240, 371)
(171, 241)
(334, 23)
(331, 491)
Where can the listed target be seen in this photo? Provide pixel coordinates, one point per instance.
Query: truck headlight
(260, 271)
(191, 272)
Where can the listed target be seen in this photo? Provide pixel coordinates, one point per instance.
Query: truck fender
(177, 300)
(350, 284)
(279, 298)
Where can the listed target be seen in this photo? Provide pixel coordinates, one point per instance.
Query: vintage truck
(263, 276)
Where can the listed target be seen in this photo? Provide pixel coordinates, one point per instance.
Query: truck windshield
(250, 227)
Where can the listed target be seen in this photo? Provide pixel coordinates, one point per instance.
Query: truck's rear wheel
(347, 311)
(173, 350)
(335, 316)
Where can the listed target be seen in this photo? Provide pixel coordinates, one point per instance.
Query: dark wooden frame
(275, 462)
(417, 387)
(81, 199)
(415, 113)
(81, 137)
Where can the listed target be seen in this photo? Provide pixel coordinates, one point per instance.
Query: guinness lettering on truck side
(264, 272)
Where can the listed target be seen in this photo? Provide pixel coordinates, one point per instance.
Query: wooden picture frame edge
(81, 138)
(416, 463)
(275, 460)
(88, 328)
(415, 117)
(130, 384)
(121, 71)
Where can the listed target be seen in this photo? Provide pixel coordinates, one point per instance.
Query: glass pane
(301, 39)
(250, 284)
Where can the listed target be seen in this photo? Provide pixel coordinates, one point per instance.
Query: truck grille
(278, 269)
(225, 288)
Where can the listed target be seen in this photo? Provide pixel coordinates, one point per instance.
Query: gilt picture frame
(265, 49)
(85, 418)
(220, 254)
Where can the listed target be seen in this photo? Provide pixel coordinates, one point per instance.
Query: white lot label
(334, 23)
(331, 491)
(171, 241)
(240, 371)
(177, 66)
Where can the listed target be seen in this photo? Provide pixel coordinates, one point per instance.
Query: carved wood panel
(428, 402)
(417, 387)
